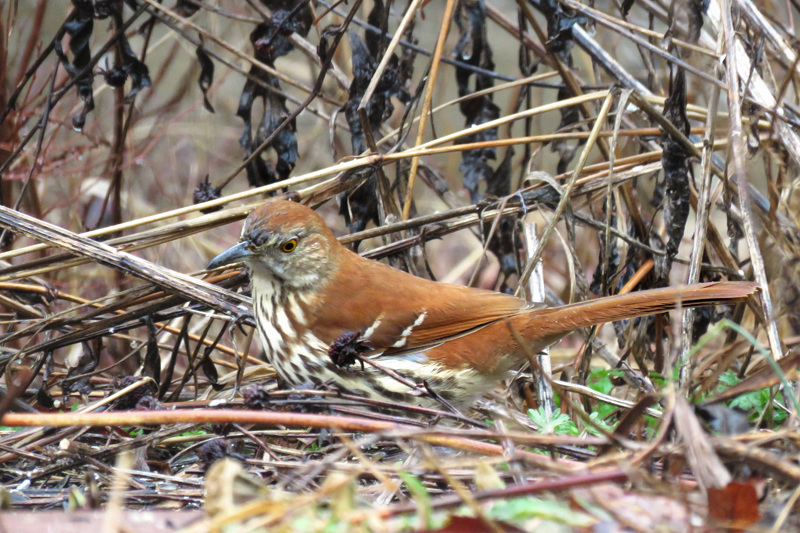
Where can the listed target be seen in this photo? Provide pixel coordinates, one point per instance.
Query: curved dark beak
(233, 254)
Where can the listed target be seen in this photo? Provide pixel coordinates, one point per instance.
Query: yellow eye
(289, 246)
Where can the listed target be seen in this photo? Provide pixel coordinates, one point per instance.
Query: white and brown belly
(300, 358)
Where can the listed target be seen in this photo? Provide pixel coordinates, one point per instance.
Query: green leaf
(526, 508)
(598, 420)
(557, 424)
(420, 495)
(600, 379)
(729, 379)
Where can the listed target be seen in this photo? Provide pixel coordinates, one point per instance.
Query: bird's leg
(241, 357)
(301, 397)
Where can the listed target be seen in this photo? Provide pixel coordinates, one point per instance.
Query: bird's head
(286, 242)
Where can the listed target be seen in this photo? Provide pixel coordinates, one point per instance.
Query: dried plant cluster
(619, 146)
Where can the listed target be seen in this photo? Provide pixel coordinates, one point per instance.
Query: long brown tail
(553, 323)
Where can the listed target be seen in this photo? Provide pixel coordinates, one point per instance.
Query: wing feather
(398, 312)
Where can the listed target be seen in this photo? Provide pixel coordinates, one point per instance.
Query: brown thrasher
(311, 293)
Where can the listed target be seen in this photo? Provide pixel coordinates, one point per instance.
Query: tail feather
(553, 323)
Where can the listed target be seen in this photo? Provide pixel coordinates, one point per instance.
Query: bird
(320, 308)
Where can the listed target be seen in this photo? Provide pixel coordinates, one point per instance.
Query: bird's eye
(289, 246)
